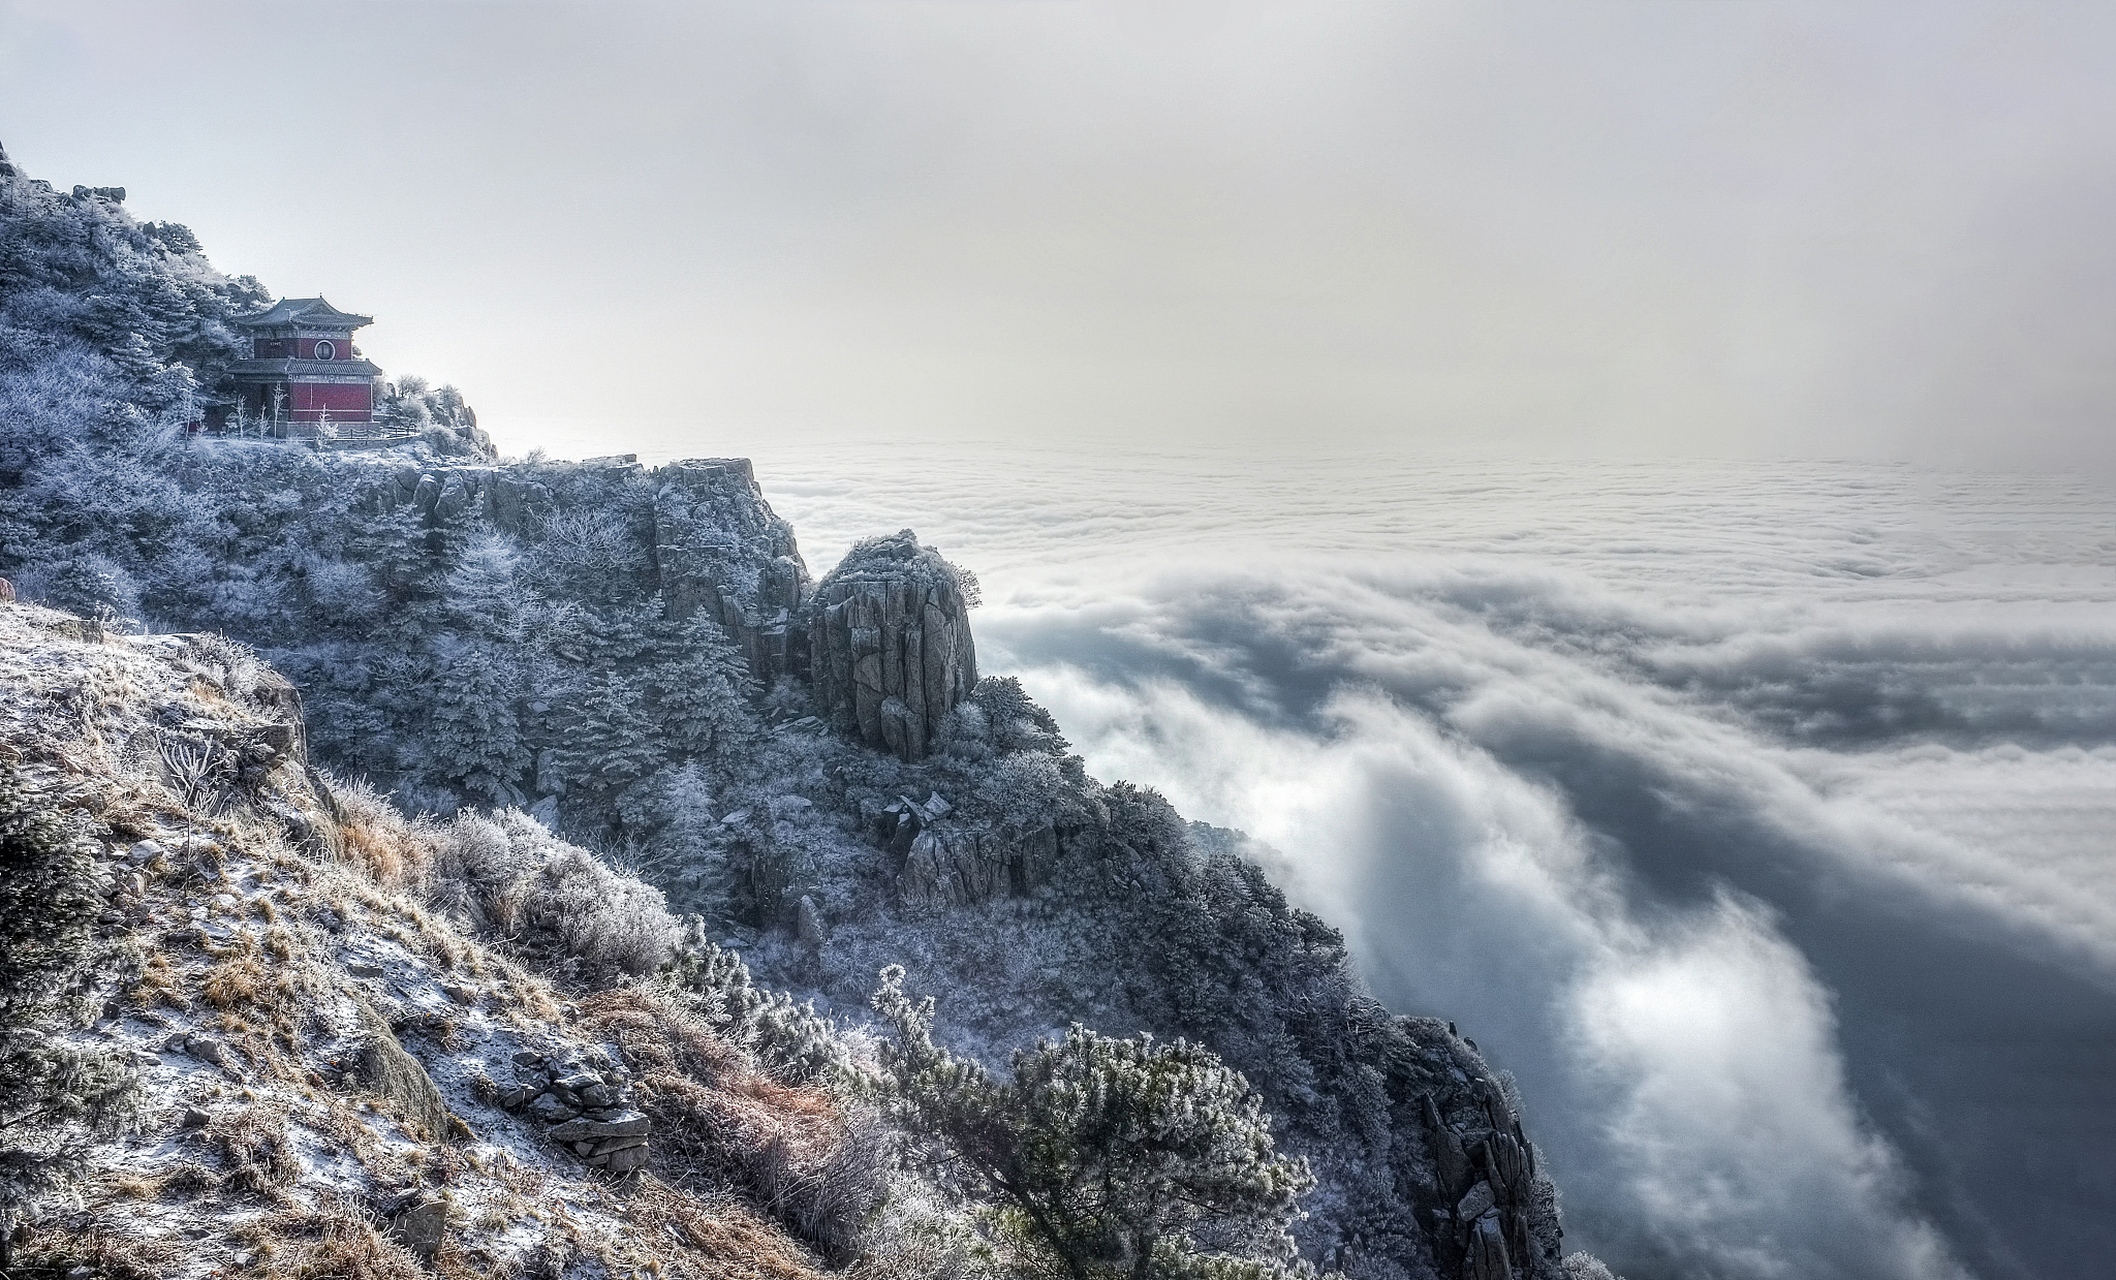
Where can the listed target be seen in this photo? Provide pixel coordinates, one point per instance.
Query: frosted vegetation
(609, 794)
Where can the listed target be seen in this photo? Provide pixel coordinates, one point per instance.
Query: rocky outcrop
(588, 1110)
(714, 544)
(943, 866)
(400, 1078)
(718, 547)
(1497, 1226)
(890, 653)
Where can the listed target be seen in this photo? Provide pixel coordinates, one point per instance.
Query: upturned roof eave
(287, 368)
(288, 313)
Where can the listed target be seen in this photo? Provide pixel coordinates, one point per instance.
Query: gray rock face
(419, 1227)
(945, 869)
(943, 865)
(626, 1124)
(890, 652)
(808, 923)
(1483, 1166)
(387, 1069)
(719, 547)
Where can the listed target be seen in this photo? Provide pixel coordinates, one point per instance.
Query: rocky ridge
(715, 543)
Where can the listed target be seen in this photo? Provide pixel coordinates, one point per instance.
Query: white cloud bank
(1755, 817)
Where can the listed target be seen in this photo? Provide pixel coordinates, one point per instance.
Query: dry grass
(137, 1186)
(332, 1240)
(719, 1239)
(393, 851)
(720, 1122)
(56, 1251)
(256, 1153)
(237, 980)
(159, 983)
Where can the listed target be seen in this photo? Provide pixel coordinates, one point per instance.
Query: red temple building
(304, 374)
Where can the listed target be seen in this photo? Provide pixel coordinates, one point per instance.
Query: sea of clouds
(1757, 817)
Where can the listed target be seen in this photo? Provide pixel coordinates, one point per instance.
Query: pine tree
(689, 841)
(477, 740)
(1120, 1158)
(607, 740)
(699, 687)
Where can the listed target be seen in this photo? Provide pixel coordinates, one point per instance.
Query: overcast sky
(1613, 228)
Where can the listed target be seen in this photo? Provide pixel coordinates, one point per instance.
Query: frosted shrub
(1022, 789)
(231, 663)
(95, 587)
(1113, 1157)
(507, 874)
(1585, 1266)
(609, 922)
(792, 1041)
(342, 589)
(1016, 722)
(590, 548)
(476, 863)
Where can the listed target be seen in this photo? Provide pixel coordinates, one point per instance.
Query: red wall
(347, 401)
(269, 349)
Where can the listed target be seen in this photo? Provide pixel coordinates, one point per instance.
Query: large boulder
(890, 653)
(401, 1079)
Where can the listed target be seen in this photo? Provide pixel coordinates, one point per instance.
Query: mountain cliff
(603, 665)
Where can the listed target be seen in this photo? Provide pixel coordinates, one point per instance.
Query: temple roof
(313, 312)
(254, 369)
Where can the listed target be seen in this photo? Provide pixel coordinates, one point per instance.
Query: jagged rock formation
(889, 642)
(1493, 1214)
(718, 547)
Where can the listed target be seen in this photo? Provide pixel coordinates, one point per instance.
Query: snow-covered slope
(322, 1062)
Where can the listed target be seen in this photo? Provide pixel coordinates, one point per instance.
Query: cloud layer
(1755, 817)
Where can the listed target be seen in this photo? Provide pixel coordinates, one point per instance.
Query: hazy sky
(1616, 228)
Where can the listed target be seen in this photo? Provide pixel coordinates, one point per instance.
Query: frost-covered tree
(700, 687)
(93, 586)
(1116, 1158)
(477, 742)
(688, 844)
(607, 740)
(789, 1038)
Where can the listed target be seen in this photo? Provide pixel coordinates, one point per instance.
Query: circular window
(326, 350)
